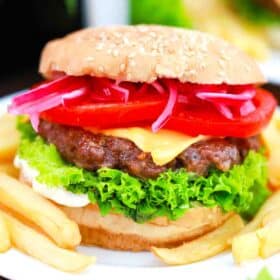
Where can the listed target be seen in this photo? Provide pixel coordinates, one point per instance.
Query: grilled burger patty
(93, 151)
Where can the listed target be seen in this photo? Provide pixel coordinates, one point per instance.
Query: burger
(145, 135)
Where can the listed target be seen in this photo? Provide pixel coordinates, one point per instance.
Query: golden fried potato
(260, 238)
(269, 239)
(272, 204)
(9, 137)
(8, 168)
(245, 247)
(40, 247)
(5, 242)
(271, 216)
(53, 221)
(271, 138)
(204, 247)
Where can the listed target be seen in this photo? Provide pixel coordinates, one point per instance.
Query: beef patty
(93, 151)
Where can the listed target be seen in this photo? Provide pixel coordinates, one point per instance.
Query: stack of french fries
(30, 222)
(261, 237)
(40, 229)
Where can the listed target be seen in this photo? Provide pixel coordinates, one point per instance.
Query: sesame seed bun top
(145, 53)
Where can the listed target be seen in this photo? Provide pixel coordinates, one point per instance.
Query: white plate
(126, 265)
(271, 68)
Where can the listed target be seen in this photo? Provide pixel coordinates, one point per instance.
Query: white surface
(128, 266)
(105, 12)
(271, 68)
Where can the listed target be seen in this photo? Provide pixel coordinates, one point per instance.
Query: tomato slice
(108, 115)
(211, 122)
(191, 120)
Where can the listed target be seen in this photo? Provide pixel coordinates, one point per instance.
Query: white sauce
(58, 194)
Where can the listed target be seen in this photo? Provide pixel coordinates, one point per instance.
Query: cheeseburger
(145, 135)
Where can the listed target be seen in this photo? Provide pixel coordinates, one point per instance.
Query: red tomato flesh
(191, 120)
(210, 122)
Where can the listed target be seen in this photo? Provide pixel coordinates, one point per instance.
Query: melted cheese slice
(164, 145)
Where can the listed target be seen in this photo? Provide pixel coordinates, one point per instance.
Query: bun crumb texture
(144, 53)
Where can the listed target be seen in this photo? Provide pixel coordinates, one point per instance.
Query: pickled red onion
(56, 92)
(224, 110)
(247, 108)
(39, 105)
(107, 86)
(158, 87)
(167, 111)
(223, 101)
(42, 90)
(122, 90)
(227, 97)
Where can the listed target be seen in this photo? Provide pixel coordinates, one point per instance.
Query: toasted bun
(120, 233)
(144, 53)
(115, 231)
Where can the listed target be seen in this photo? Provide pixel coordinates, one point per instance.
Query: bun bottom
(117, 232)
(120, 233)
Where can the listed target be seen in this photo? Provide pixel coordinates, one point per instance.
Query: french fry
(5, 242)
(9, 169)
(40, 247)
(271, 139)
(23, 200)
(260, 238)
(272, 204)
(269, 239)
(9, 137)
(204, 247)
(245, 247)
(263, 242)
(278, 121)
(271, 216)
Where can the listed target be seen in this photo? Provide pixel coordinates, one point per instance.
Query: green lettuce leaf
(242, 189)
(254, 12)
(264, 274)
(167, 12)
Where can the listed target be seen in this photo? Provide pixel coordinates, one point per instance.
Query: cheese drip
(164, 146)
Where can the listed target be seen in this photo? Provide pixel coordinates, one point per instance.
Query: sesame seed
(143, 28)
(90, 58)
(128, 76)
(131, 55)
(116, 53)
(101, 68)
(125, 40)
(132, 63)
(142, 50)
(192, 72)
(99, 47)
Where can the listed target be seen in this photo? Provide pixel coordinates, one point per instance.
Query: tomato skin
(211, 123)
(104, 115)
(205, 120)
